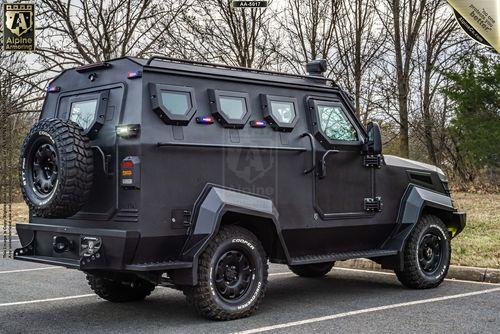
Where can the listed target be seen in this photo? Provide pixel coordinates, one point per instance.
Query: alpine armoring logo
(18, 27)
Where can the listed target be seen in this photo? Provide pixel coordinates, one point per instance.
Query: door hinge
(373, 204)
(372, 161)
(181, 218)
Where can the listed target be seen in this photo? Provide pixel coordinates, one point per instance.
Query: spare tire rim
(43, 168)
(430, 253)
(233, 275)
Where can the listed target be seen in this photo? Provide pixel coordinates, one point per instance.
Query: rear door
(97, 112)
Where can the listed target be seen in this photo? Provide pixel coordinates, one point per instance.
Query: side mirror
(374, 144)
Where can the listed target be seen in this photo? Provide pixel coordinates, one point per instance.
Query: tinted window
(233, 107)
(177, 103)
(335, 124)
(83, 113)
(283, 112)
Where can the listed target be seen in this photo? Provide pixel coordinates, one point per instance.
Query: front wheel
(232, 276)
(427, 254)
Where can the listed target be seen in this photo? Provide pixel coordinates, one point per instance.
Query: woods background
(406, 63)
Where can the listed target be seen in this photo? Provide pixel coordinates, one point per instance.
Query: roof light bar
(90, 67)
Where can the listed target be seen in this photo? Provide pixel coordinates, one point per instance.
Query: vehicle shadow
(167, 310)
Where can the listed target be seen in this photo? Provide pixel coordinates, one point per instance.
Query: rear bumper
(116, 253)
(117, 248)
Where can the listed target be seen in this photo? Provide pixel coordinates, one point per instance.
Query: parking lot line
(31, 269)
(46, 300)
(392, 274)
(368, 310)
(280, 274)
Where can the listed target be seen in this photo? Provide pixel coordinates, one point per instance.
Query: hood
(393, 160)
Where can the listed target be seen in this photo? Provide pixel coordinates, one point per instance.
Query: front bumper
(117, 248)
(458, 221)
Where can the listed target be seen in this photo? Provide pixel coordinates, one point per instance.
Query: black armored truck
(194, 175)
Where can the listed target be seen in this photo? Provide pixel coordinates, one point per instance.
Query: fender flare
(413, 202)
(213, 202)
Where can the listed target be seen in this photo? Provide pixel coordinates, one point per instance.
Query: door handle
(322, 172)
(313, 151)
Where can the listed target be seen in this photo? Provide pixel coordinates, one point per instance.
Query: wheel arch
(217, 206)
(415, 203)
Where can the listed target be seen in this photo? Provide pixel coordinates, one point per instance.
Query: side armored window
(178, 103)
(175, 105)
(283, 111)
(231, 109)
(280, 111)
(334, 124)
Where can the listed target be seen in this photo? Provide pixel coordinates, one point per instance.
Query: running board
(371, 253)
(159, 266)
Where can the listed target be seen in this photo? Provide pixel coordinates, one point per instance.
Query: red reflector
(127, 164)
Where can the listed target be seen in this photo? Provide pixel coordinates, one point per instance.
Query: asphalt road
(43, 299)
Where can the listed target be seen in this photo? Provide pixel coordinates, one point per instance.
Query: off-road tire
(313, 269)
(413, 275)
(74, 165)
(119, 289)
(205, 297)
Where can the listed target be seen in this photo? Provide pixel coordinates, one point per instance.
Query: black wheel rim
(430, 253)
(233, 275)
(43, 169)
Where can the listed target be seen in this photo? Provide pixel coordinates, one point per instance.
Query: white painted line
(47, 300)
(32, 269)
(392, 274)
(279, 274)
(368, 310)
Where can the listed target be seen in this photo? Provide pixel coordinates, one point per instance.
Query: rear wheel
(313, 269)
(427, 254)
(232, 276)
(119, 288)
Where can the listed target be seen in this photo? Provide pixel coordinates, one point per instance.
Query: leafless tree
(77, 32)
(403, 20)
(213, 30)
(437, 53)
(359, 42)
(309, 27)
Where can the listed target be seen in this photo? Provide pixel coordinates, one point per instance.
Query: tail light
(130, 172)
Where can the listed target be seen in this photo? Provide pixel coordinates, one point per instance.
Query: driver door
(343, 183)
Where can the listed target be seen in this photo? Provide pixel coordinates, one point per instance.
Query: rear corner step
(371, 253)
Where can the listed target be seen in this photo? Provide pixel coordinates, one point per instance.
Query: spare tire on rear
(56, 168)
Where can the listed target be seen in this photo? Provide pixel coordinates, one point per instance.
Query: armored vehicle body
(195, 175)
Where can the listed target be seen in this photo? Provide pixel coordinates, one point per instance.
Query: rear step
(370, 253)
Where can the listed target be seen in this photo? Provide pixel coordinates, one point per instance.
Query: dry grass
(478, 245)
(19, 213)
